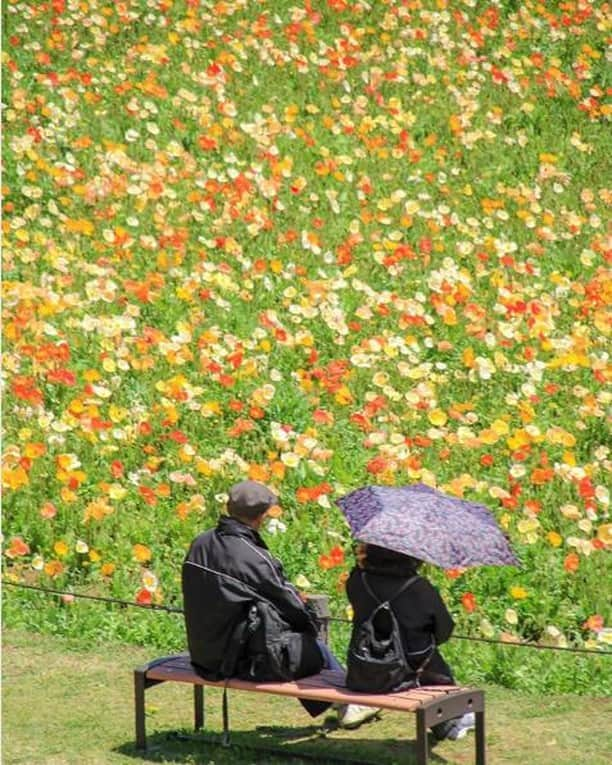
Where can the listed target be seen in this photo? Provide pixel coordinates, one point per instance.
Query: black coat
(225, 571)
(419, 610)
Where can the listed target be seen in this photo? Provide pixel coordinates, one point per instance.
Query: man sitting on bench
(243, 618)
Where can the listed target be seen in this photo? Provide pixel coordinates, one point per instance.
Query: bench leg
(139, 709)
(421, 738)
(225, 741)
(480, 738)
(198, 706)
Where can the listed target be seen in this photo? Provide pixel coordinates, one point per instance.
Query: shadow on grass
(279, 743)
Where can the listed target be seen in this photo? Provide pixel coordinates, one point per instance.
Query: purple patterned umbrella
(423, 522)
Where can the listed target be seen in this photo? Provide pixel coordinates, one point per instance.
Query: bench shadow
(310, 743)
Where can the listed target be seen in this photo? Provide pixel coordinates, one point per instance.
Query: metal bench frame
(428, 712)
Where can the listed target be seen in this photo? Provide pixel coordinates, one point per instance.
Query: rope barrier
(150, 606)
(470, 638)
(337, 619)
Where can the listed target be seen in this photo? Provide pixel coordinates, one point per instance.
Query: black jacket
(225, 571)
(420, 612)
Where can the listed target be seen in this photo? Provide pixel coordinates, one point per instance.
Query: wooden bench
(431, 705)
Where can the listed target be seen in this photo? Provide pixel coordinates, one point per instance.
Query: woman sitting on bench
(423, 619)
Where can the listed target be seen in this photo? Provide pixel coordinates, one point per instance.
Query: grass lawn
(64, 705)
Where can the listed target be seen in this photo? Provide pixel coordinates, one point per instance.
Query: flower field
(319, 245)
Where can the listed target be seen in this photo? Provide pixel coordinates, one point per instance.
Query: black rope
(518, 644)
(533, 645)
(508, 642)
(170, 609)
(151, 606)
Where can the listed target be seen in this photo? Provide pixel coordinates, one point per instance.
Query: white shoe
(462, 727)
(354, 715)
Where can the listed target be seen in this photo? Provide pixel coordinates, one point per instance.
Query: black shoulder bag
(376, 662)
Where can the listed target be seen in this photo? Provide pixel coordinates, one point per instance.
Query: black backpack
(376, 662)
(263, 647)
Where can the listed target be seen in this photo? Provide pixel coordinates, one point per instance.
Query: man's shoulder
(218, 548)
(202, 542)
(203, 538)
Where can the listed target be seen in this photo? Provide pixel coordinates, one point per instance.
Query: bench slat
(326, 686)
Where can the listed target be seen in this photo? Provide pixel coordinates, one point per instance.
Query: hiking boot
(353, 715)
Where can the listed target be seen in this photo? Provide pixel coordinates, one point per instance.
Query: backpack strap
(423, 665)
(404, 586)
(235, 647)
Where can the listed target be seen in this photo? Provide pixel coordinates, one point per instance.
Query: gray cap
(250, 499)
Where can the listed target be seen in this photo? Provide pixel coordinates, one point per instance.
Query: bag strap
(424, 664)
(380, 602)
(236, 645)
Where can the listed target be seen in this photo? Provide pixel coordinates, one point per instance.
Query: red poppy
(144, 597)
(586, 488)
(454, 573)
(322, 417)
(325, 562)
(17, 548)
(377, 465)
(594, 622)
(239, 427)
(533, 506)
(571, 563)
(148, 495)
(206, 143)
(333, 559)
(25, 388)
(540, 476)
(468, 601)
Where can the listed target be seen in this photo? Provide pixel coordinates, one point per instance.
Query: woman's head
(373, 557)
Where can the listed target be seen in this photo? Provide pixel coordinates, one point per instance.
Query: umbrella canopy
(427, 524)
